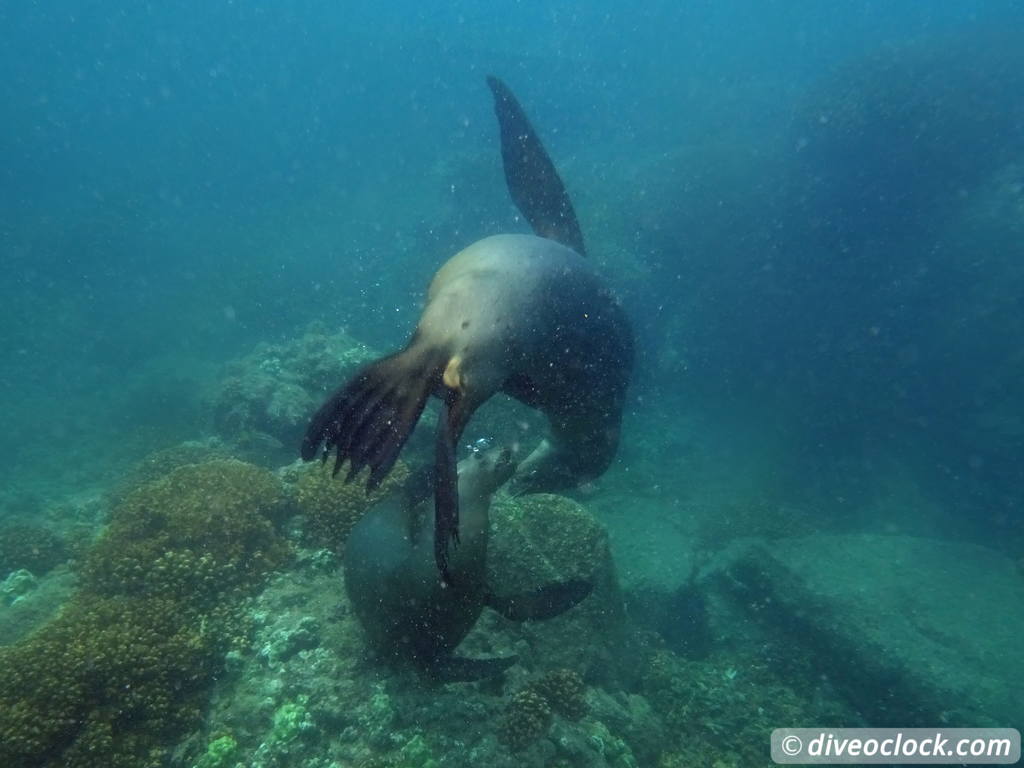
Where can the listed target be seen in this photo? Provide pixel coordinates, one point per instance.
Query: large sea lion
(391, 579)
(527, 315)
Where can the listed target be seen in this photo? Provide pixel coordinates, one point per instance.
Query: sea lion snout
(484, 472)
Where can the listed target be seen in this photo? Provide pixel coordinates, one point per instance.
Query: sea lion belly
(408, 615)
(529, 316)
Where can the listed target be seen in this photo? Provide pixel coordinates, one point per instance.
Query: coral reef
(199, 532)
(127, 665)
(220, 753)
(529, 712)
(526, 719)
(310, 666)
(159, 463)
(273, 391)
(564, 691)
(331, 506)
(30, 547)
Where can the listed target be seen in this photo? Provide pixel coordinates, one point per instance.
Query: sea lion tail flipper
(533, 182)
(455, 669)
(369, 419)
(545, 602)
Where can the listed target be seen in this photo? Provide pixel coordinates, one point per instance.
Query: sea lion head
(485, 471)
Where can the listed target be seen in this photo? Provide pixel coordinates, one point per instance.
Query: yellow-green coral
(105, 666)
(527, 718)
(220, 753)
(161, 463)
(200, 531)
(124, 668)
(332, 507)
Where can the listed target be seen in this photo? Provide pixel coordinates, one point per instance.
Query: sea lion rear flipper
(545, 602)
(369, 419)
(532, 179)
(455, 669)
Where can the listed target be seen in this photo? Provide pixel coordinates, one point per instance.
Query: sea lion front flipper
(532, 180)
(369, 419)
(456, 669)
(450, 422)
(545, 602)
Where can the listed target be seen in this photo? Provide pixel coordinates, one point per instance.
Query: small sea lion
(526, 315)
(391, 579)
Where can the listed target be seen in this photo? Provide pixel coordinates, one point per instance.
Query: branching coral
(106, 665)
(564, 691)
(527, 718)
(125, 666)
(529, 711)
(200, 531)
(333, 507)
(220, 753)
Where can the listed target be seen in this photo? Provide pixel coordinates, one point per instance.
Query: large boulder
(542, 539)
(885, 140)
(911, 631)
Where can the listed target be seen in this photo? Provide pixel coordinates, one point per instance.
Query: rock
(265, 400)
(28, 603)
(633, 717)
(17, 584)
(289, 640)
(912, 631)
(888, 138)
(542, 539)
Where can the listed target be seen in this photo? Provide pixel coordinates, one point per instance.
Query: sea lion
(391, 579)
(527, 315)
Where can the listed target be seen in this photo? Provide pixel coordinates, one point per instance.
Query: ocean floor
(193, 611)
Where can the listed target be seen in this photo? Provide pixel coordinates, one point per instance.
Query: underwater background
(212, 213)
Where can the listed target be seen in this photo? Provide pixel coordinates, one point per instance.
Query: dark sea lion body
(391, 577)
(408, 615)
(527, 315)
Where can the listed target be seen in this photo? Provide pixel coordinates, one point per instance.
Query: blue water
(812, 210)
